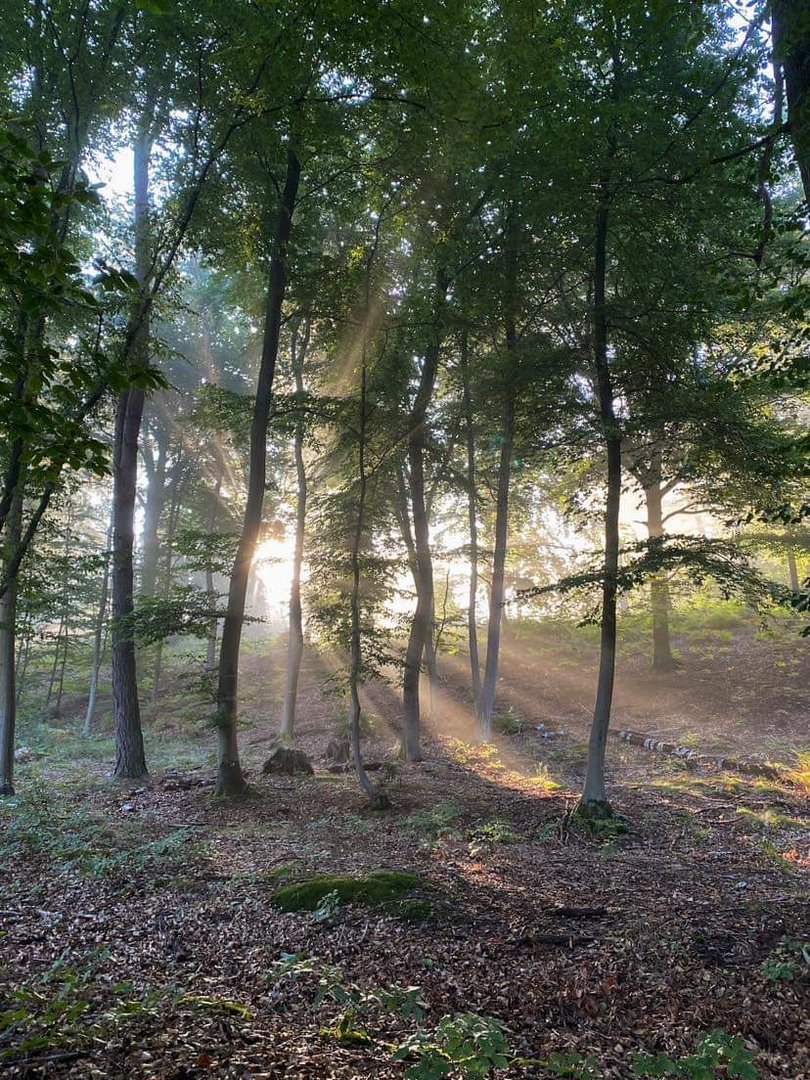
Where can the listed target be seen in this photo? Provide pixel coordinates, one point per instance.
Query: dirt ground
(138, 937)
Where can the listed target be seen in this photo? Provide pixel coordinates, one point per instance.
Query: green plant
(38, 822)
(328, 907)
(508, 722)
(789, 960)
(484, 836)
(433, 826)
(477, 754)
(717, 1055)
(543, 780)
(49, 1011)
(799, 775)
(465, 1043)
(414, 909)
(573, 1066)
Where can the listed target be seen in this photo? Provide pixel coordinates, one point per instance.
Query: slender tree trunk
(98, 635)
(57, 652)
(130, 760)
(663, 660)
(230, 780)
(60, 684)
(489, 686)
(421, 622)
(153, 511)
(472, 517)
(486, 701)
(211, 648)
(8, 617)
(24, 635)
(377, 799)
(594, 802)
(295, 643)
(166, 584)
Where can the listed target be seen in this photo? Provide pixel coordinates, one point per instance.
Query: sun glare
(273, 567)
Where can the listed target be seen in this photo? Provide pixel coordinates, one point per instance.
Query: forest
(404, 538)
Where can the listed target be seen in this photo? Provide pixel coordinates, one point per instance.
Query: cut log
(694, 757)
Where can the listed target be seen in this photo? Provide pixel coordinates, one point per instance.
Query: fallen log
(694, 757)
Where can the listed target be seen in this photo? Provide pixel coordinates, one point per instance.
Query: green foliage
(485, 836)
(573, 1066)
(374, 888)
(328, 907)
(508, 722)
(717, 1055)
(36, 823)
(698, 557)
(49, 1011)
(184, 609)
(431, 827)
(464, 1043)
(789, 960)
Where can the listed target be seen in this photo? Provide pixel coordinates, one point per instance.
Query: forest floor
(139, 937)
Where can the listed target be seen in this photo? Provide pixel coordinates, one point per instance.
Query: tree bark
(153, 511)
(98, 634)
(8, 658)
(166, 584)
(377, 798)
(472, 517)
(130, 760)
(497, 590)
(594, 802)
(230, 781)
(790, 24)
(295, 642)
(210, 592)
(421, 622)
(663, 660)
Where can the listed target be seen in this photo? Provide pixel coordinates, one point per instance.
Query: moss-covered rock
(375, 888)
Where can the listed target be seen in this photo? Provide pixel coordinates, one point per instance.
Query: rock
(288, 762)
(24, 753)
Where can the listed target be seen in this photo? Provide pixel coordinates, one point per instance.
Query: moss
(414, 910)
(374, 888)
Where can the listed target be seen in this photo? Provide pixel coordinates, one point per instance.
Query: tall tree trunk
(472, 517)
(421, 622)
(130, 760)
(24, 634)
(295, 643)
(166, 583)
(211, 645)
(486, 701)
(791, 38)
(65, 629)
(230, 780)
(153, 511)
(98, 635)
(594, 802)
(8, 618)
(663, 660)
(377, 798)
